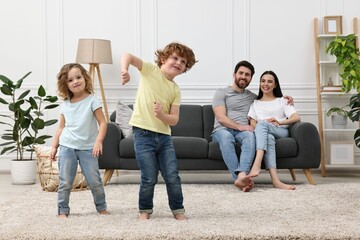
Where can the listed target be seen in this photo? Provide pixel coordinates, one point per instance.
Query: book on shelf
(336, 88)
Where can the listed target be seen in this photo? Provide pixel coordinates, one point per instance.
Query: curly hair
(179, 49)
(62, 78)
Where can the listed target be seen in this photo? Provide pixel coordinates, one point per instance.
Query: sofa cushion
(190, 147)
(190, 122)
(215, 153)
(126, 149)
(123, 115)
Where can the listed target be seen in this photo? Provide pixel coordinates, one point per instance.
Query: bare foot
(144, 216)
(104, 212)
(255, 171)
(244, 182)
(62, 216)
(281, 185)
(180, 216)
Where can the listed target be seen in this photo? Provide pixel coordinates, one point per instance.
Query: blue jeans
(227, 139)
(154, 152)
(68, 163)
(265, 134)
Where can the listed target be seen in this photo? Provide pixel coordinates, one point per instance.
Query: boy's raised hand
(125, 76)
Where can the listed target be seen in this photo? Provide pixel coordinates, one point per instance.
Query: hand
(157, 108)
(125, 76)
(246, 128)
(97, 149)
(273, 121)
(53, 153)
(290, 100)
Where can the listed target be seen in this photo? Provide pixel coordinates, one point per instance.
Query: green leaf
(41, 91)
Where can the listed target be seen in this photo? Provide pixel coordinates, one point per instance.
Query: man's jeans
(68, 163)
(154, 152)
(227, 139)
(265, 134)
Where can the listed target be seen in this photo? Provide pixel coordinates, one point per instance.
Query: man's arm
(220, 113)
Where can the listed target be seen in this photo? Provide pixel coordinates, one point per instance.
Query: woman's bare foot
(244, 182)
(281, 185)
(104, 212)
(62, 216)
(144, 216)
(255, 171)
(180, 216)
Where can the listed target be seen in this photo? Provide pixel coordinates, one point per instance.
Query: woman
(270, 115)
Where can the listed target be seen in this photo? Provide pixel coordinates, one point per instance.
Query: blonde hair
(62, 78)
(179, 49)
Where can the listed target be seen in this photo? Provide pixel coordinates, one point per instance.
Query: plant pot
(23, 172)
(339, 121)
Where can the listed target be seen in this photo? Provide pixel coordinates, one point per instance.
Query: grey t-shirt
(237, 105)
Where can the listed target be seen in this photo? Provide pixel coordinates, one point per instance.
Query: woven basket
(48, 171)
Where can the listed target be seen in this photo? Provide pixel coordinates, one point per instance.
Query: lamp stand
(93, 67)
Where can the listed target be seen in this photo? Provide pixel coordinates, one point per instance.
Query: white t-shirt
(277, 108)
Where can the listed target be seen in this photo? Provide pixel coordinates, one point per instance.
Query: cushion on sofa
(190, 147)
(123, 115)
(190, 122)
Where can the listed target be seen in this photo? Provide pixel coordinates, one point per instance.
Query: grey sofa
(195, 150)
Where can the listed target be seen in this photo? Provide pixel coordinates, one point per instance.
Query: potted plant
(339, 117)
(347, 57)
(24, 124)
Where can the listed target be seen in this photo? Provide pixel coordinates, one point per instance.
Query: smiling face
(267, 84)
(242, 77)
(76, 81)
(173, 66)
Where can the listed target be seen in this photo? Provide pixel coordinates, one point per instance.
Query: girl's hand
(53, 153)
(97, 149)
(125, 76)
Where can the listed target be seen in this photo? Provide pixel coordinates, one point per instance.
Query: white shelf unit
(327, 79)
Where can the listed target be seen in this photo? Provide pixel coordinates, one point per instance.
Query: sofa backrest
(190, 122)
(208, 121)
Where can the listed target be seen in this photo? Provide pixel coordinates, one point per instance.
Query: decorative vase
(339, 121)
(23, 172)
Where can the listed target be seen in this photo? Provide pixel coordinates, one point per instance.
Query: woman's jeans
(68, 164)
(227, 139)
(154, 152)
(265, 134)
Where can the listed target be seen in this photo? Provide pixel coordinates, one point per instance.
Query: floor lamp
(94, 52)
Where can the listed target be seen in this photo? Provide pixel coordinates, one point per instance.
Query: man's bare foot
(62, 216)
(180, 216)
(281, 185)
(255, 171)
(244, 182)
(144, 216)
(104, 212)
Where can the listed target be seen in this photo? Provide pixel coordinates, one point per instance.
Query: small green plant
(339, 111)
(26, 118)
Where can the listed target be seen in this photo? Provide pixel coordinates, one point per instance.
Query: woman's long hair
(277, 90)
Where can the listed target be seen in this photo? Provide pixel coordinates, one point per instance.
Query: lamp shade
(94, 51)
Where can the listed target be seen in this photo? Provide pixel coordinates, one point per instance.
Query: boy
(156, 109)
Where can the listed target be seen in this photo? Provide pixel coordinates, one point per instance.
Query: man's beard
(242, 85)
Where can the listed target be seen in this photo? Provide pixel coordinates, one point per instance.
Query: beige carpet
(215, 211)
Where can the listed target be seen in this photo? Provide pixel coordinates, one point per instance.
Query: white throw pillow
(123, 115)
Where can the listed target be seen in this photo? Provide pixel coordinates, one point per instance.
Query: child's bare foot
(180, 216)
(255, 171)
(281, 185)
(62, 216)
(244, 182)
(104, 212)
(144, 216)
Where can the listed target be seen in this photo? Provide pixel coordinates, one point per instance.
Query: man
(231, 106)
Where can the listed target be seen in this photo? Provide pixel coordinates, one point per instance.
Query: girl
(79, 137)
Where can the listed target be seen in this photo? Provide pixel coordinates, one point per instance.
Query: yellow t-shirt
(154, 86)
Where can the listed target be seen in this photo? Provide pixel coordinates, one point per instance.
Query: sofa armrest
(110, 158)
(308, 140)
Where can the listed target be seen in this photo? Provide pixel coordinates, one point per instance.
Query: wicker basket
(49, 172)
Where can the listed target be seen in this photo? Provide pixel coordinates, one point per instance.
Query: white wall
(42, 35)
